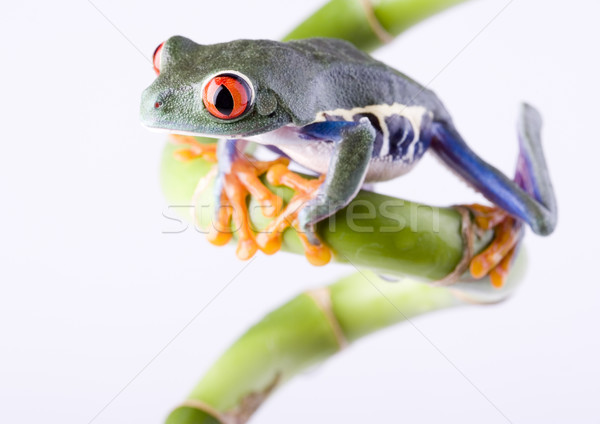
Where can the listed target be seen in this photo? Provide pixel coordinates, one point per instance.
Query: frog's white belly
(316, 154)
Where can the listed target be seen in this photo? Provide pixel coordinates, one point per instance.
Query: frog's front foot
(233, 187)
(296, 214)
(191, 148)
(496, 258)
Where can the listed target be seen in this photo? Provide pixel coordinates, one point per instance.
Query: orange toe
(487, 217)
(269, 243)
(270, 240)
(233, 215)
(218, 238)
(317, 255)
(506, 236)
(246, 248)
(193, 149)
(499, 274)
(495, 260)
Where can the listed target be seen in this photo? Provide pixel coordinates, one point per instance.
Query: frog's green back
(305, 77)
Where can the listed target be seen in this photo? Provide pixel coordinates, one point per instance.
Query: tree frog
(344, 115)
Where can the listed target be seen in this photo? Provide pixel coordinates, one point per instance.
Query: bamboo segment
(346, 19)
(398, 15)
(307, 330)
(367, 24)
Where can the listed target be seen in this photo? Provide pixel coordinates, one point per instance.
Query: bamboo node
(322, 297)
(467, 236)
(378, 29)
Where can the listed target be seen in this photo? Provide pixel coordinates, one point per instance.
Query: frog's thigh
(493, 184)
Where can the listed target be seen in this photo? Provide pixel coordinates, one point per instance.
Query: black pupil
(223, 100)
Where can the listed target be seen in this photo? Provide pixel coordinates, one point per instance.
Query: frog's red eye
(156, 58)
(227, 96)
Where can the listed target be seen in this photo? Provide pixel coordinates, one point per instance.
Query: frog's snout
(152, 105)
(169, 108)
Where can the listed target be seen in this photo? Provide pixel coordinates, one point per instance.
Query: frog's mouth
(174, 131)
(160, 129)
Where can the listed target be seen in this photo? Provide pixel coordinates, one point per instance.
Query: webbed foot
(495, 259)
(241, 180)
(270, 239)
(193, 149)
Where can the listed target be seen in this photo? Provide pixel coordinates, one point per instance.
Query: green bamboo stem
(367, 24)
(305, 331)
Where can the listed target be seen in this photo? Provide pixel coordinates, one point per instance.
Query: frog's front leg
(316, 199)
(238, 177)
(346, 172)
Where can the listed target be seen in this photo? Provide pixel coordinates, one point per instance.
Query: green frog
(337, 111)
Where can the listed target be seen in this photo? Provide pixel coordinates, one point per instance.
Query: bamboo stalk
(367, 24)
(305, 331)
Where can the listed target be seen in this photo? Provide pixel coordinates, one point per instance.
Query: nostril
(158, 104)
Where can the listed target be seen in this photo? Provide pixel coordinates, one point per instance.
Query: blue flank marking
(400, 130)
(325, 131)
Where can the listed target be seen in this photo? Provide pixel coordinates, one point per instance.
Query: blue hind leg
(529, 197)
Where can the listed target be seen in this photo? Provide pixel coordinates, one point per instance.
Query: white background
(92, 292)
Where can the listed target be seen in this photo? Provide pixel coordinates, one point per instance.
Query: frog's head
(214, 90)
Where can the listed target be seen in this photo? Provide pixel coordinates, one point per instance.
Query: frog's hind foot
(270, 239)
(495, 259)
(233, 188)
(193, 149)
(531, 176)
